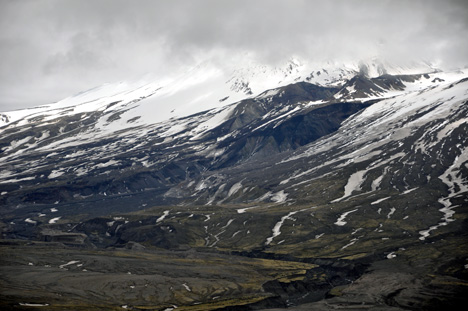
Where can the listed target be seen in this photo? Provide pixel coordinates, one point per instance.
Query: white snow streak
(26, 304)
(391, 255)
(69, 263)
(236, 187)
(30, 221)
(54, 220)
(392, 210)
(354, 184)
(276, 229)
(380, 200)
(164, 215)
(243, 210)
(456, 185)
(340, 221)
(279, 197)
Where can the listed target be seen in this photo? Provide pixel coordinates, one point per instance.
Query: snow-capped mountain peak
(299, 159)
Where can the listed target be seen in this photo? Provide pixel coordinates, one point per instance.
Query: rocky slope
(345, 189)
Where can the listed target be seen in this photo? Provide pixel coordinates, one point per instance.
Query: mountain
(308, 186)
(159, 133)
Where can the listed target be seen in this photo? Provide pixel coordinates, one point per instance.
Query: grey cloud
(82, 52)
(51, 49)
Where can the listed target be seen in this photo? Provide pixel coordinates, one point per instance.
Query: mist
(52, 49)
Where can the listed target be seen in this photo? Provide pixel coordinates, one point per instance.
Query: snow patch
(276, 229)
(318, 236)
(380, 200)
(340, 221)
(234, 189)
(164, 215)
(279, 197)
(30, 221)
(69, 263)
(354, 184)
(392, 210)
(353, 241)
(456, 185)
(108, 163)
(55, 174)
(409, 190)
(228, 223)
(26, 304)
(54, 220)
(243, 210)
(391, 255)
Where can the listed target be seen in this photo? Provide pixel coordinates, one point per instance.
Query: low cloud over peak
(51, 49)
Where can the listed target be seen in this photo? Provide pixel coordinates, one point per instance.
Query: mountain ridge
(297, 196)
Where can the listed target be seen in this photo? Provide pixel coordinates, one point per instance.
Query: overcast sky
(50, 49)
